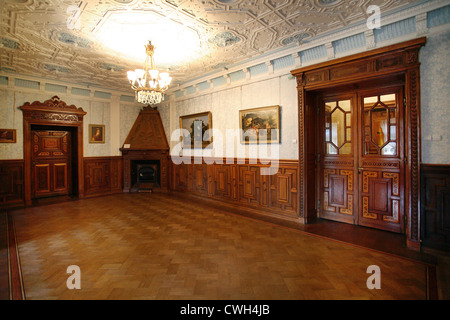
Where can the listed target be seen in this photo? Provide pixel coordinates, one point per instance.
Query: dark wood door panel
(51, 163)
(362, 146)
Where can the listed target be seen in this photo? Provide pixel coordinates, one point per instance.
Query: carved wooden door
(361, 173)
(51, 163)
(381, 160)
(338, 153)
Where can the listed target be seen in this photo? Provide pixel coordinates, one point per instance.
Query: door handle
(360, 169)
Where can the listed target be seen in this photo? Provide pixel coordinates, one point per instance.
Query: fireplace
(145, 175)
(145, 154)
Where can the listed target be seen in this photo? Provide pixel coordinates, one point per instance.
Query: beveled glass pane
(370, 100)
(388, 99)
(331, 149)
(346, 149)
(393, 116)
(393, 133)
(390, 149)
(338, 127)
(348, 119)
(330, 105)
(327, 135)
(379, 126)
(349, 134)
(345, 105)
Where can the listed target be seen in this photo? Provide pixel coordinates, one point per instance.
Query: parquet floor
(155, 246)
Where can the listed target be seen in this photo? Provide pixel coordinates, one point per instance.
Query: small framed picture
(7, 135)
(96, 133)
(196, 128)
(260, 125)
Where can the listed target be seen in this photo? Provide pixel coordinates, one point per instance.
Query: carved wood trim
(53, 112)
(392, 61)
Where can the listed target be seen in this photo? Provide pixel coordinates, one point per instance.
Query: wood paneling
(435, 206)
(241, 183)
(11, 183)
(102, 175)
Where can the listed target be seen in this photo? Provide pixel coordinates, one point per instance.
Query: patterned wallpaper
(11, 118)
(225, 104)
(435, 99)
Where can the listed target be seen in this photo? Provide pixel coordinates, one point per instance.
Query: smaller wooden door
(51, 163)
(337, 178)
(381, 160)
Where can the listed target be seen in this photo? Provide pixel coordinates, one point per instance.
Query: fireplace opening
(145, 175)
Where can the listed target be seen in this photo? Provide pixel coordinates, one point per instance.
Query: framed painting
(96, 133)
(196, 126)
(260, 125)
(7, 135)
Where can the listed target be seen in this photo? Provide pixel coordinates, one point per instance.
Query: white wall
(225, 102)
(118, 118)
(435, 98)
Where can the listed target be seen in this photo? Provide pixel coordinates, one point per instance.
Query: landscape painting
(260, 125)
(196, 126)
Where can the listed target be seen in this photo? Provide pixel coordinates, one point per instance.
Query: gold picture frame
(266, 119)
(96, 133)
(188, 122)
(7, 135)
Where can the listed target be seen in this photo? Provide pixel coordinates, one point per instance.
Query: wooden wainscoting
(435, 206)
(11, 183)
(242, 183)
(102, 175)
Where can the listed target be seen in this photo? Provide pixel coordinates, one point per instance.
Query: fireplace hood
(147, 132)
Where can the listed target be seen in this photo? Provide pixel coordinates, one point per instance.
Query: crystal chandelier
(148, 83)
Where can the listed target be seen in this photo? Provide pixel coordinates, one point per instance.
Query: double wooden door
(361, 158)
(51, 163)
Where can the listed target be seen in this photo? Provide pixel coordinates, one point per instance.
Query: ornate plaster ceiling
(95, 42)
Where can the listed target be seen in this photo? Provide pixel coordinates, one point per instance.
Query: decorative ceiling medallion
(123, 31)
(220, 65)
(298, 38)
(124, 1)
(327, 3)
(224, 39)
(55, 68)
(68, 38)
(8, 43)
(227, 2)
(110, 67)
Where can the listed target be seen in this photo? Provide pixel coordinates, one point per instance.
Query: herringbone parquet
(155, 246)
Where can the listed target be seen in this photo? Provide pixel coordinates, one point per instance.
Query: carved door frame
(52, 112)
(399, 60)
